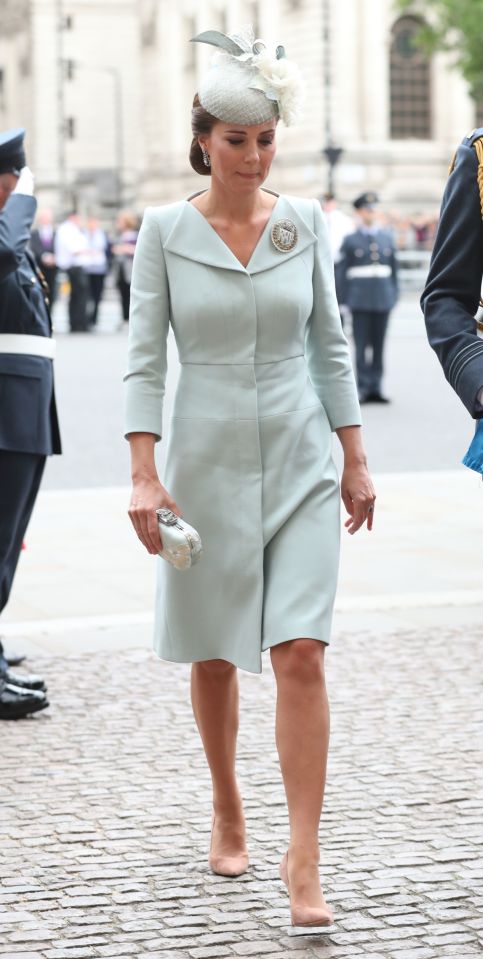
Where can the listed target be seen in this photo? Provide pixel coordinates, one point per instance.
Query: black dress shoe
(12, 660)
(16, 702)
(27, 681)
(15, 660)
(376, 398)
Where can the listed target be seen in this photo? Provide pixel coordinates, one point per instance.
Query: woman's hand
(147, 496)
(358, 496)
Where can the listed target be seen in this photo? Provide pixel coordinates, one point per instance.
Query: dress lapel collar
(266, 255)
(195, 239)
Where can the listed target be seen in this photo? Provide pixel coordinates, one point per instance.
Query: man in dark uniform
(29, 428)
(453, 289)
(366, 278)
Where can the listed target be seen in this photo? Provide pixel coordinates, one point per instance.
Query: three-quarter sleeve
(326, 347)
(148, 331)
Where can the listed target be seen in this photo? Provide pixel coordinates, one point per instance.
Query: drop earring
(206, 157)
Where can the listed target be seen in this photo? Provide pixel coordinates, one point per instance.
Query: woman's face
(241, 156)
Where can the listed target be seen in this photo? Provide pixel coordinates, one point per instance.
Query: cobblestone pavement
(106, 811)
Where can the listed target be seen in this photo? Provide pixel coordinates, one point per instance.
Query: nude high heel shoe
(229, 866)
(306, 920)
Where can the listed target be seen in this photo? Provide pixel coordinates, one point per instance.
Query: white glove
(25, 182)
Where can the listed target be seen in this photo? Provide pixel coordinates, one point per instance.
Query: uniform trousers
(124, 288)
(20, 477)
(50, 273)
(369, 330)
(96, 289)
(79, 296)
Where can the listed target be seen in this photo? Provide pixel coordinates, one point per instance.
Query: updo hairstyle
(202, 124)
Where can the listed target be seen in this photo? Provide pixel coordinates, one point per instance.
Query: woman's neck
(224, 204)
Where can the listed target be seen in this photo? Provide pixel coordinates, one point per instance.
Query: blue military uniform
(453, 289)
(366, 277)
(29, 429)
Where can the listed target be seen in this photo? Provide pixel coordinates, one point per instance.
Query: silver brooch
(284, 235)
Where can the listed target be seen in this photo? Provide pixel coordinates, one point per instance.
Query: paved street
(105, 796)
(106, 811)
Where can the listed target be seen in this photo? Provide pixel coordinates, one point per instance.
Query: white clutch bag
(182, 545)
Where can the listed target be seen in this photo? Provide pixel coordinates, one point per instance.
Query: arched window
(410, 83)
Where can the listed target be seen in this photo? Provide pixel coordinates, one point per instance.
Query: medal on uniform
(284, 235)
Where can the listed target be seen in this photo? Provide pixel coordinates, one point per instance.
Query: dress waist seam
(285, 359)
(260, 416)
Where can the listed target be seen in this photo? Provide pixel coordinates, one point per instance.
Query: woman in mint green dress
(244, 277)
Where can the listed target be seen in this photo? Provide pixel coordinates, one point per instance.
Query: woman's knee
(301, 659)
(214, 669)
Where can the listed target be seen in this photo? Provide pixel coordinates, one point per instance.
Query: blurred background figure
(367, 283)
(421, 228)
(42, 244)
(339, 224)
(123, 250)
(97, 262)
(70, 253)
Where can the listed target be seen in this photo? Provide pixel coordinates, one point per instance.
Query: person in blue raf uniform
(453, 289)
(29, 428)
(366, 276)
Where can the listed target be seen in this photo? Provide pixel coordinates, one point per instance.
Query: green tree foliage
(456, 27)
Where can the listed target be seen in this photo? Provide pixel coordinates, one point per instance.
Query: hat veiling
(249, 83)
(12, 155)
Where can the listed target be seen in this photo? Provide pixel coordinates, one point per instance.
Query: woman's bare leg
(214, 695)
(302, 737)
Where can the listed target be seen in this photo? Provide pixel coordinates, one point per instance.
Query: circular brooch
(284, 235)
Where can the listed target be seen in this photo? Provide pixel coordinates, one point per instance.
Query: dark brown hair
(202, 124)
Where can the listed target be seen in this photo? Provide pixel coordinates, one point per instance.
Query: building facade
(105, 88)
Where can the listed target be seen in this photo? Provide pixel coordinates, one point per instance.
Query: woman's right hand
(147, 496)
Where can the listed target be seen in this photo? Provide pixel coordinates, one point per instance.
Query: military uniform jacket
(453, 288)
(366, 272)
(28, 415)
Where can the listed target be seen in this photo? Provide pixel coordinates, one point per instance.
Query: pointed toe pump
(306, 920)
(230, 866)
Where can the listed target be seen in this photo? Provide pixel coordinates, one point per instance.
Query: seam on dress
(247, 419)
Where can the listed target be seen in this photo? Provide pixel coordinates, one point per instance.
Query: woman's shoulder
(306, 207)
(165, 213)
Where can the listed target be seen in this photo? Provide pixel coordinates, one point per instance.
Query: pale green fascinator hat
(248, 82)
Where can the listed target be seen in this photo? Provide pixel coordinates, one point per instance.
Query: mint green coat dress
(265, 378)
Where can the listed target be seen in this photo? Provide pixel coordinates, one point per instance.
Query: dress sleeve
(326, 347)
(149, 316)
(453, 288)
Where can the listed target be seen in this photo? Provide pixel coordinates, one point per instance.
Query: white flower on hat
(280, 79)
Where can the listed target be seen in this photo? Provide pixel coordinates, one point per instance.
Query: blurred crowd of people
(415, 231)
(81, 250)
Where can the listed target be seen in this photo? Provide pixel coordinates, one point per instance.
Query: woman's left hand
(358, 496)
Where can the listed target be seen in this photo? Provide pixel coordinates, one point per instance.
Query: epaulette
(471, 137)
(474, 139)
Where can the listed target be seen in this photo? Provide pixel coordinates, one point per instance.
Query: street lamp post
(119, 134)
(331, 152)
(115, 76)
(333, 155)
(61, 161)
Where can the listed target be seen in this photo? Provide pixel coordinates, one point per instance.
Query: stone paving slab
(106, 811)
